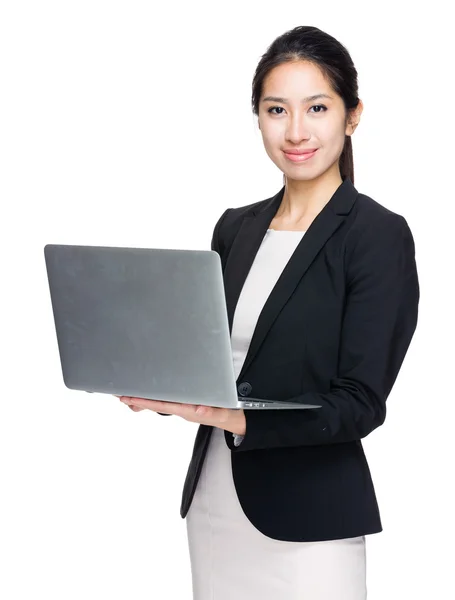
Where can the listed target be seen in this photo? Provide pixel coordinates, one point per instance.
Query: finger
(125, 399)
(190, 412)
(158, 405)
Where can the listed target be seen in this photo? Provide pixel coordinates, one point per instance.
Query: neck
(303, 199)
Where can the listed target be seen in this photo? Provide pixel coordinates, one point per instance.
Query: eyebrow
(285, 100)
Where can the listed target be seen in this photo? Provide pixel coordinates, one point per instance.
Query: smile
(299, 157)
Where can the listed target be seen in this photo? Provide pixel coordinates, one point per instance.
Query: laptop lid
(142, 322)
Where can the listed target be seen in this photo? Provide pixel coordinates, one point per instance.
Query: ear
(354, 118)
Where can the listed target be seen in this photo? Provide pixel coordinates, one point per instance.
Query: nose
(297, 130)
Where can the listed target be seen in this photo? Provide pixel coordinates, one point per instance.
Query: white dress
(230, 558)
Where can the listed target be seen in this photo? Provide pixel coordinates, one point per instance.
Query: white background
(130, 124)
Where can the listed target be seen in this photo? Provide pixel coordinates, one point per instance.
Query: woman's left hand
(232, 420)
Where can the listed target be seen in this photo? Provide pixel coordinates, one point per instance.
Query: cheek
(272, 142)
(325, 131)
(271, 136)
(332, 134)
(332, 144)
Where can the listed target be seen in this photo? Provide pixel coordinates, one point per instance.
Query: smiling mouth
(300, 157)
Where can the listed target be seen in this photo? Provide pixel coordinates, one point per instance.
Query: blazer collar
(246, 245)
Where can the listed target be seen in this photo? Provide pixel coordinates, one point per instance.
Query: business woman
(322, 297)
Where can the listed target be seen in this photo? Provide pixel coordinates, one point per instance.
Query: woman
(322, 295)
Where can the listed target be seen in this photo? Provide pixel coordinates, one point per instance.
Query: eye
(319, 106)
(273, 108)
(314, 106)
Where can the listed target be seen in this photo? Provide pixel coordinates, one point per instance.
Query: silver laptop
(149, 323)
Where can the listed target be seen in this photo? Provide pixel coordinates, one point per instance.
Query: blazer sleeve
(379, 320)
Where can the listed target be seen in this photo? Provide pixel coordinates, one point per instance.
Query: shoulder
(239, 212)
(376, 234)
(371, 221)
(367, 210)
(230, 221)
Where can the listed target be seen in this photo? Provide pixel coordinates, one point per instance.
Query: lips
(300, 156)
(307, 151)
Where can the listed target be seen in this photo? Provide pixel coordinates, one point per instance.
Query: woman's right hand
(138, 408)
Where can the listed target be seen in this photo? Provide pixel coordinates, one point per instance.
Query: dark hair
(313, 45)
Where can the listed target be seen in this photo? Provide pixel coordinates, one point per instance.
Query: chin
(306, 175)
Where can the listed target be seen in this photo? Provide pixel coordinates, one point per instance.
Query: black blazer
(334, 331)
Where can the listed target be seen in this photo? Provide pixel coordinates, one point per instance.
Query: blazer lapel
(246, 245)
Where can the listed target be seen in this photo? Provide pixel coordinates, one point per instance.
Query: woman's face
(292, 121)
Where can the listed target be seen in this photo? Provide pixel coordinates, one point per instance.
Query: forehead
(298, 78)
